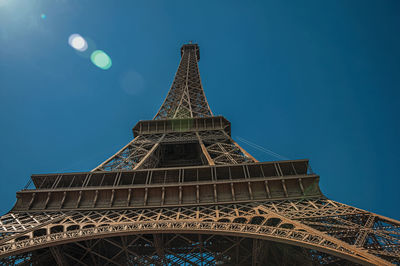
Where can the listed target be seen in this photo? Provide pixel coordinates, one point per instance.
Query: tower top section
(186, 98)
(191, 47)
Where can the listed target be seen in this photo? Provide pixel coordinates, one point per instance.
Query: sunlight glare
(101, 59)
(77, 42)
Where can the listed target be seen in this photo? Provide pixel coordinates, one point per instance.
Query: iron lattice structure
(183, 192)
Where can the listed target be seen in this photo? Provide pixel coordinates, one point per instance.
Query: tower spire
(186, 98)
(184, 192)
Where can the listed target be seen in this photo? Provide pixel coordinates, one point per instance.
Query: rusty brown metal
(184, 192)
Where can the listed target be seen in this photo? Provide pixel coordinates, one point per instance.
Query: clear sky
(305, 79)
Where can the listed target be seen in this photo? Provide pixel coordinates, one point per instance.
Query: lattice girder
(141, 152)
(269, 221)
(186, 97)
(183, 192)
(177, 249)
(132, 154)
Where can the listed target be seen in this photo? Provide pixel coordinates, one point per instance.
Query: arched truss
(252, 222)
(311, 222)
(293, 236)
(173, 249)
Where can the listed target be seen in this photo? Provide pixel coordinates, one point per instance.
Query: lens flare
(42, 16)
(101, 59)
(77, 42)
(132, 82)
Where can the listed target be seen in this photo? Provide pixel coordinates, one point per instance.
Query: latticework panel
(129, 157)
(186, 97)
(174, 249)
(312, 224)
(222, 149)
(143, 151)
(245, 215)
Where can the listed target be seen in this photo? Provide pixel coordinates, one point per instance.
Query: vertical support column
(99, 168)
(204, 150)
(255, 252)
(149, 153)
(159, 245)
(58, 256)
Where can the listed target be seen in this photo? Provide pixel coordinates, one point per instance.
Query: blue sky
(305, 79)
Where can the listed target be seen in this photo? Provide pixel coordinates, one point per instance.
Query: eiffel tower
(183, 192)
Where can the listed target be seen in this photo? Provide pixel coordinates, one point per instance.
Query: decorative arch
(306, 239)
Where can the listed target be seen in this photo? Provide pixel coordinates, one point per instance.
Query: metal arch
(283, 235)
(337, 220)
(300, 234)
(308, 219)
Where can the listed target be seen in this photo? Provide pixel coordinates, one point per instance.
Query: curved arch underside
(276, 229)
(289, 223)
(173, 249)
